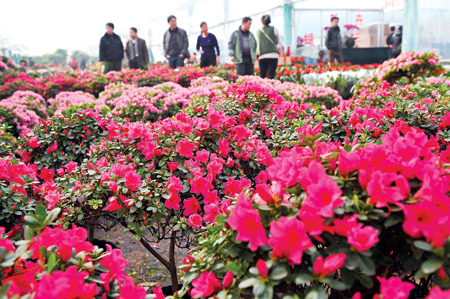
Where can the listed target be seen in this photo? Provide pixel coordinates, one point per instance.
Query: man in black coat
(82, 63)
(111, 50)
(389, 41)
(397, 42)
(333, 42)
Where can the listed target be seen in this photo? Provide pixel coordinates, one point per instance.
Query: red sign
(309, 38)
(391, 5)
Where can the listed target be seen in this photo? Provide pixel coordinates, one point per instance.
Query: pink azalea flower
(133, 180)
(205, 285)
(247, 222)
(129, 291)
(437, 293)
(289, 239)
(395, 288)
(363, 238)
(114, 261)
(195, 221)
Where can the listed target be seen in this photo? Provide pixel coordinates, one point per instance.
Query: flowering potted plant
(349, 37)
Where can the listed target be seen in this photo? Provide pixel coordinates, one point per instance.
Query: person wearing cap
(111, 50)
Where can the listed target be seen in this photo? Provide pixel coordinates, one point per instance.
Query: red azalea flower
(262, 268)
(331, 264)
(172, 166)
(47, 175)
(228, 280)
(185, 148)
(113, 205)
(191, 206)
(173, 202)
(33, 142)
(53, 148)
(224, 148)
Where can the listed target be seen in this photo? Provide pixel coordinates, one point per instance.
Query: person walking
(137, 51)
(397, 42)
(111, 50)
(175, 44)
(82, 63)
(389, 41)
(23, 66)
(333, 42)
(242, 48)
(267, 51)
(206, 43)
(30, 62)
(74, 63)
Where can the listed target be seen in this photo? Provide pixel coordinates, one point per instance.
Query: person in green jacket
(267, 51)
(242, 48)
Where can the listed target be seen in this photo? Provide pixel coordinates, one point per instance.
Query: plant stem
(170, 265)
(173, 270)
(91, 234)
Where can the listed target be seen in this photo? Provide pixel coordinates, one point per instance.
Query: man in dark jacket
(397, 42)
(242, 48)
(82, 63)
(333, 41)
(111, 49)
(389, 41)
(175, 44)
(137, 52)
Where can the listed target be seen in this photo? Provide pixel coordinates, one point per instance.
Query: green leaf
(233, 267)
(366, 265)
(423, 245)
(303, 278)
(278, 273)
(41, 213)
(431, 266)
(336, 284)
(317, 292)
(52, 215)
(365, 280)
(51, 263)
(247, 283)
(4, 289)
(32, 222)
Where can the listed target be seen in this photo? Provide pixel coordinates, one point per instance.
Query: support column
(410, 25)
(226, 29)
(288, 11)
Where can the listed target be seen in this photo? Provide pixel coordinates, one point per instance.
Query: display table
(365, 55)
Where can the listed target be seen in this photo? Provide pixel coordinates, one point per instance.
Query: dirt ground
(143, 266)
